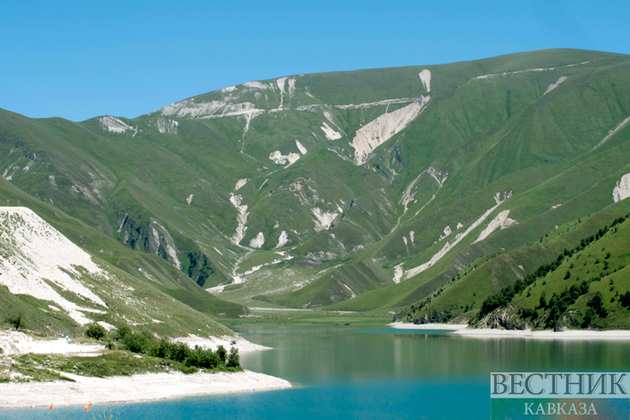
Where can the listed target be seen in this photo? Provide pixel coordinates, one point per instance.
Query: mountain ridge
(329, 186)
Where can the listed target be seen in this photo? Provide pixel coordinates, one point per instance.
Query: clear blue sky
(80, 59)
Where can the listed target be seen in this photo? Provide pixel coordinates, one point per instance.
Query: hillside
(547, 284)
(367, 190)
(56, 287)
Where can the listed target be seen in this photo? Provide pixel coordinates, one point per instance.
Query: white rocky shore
(135, 388)
(464, 331)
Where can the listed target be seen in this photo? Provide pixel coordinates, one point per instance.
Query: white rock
(330, 133)
(165, 125)
(283, 239)
(622, 188)
(278, 158)
(258, 241)
(241, 218)
(555, 85)
(324, 219)
(300, 147)
(500, 221)
(457, 239)
(114, 125)
(425, 77)
(33, 252)
(240, 184)
(384, 127)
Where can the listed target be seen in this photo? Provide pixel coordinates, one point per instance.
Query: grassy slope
(583, 185)
(156, 284)
(462, 297)
(604, 263)
(486, 135)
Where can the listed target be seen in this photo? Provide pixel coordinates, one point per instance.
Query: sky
(81, 59)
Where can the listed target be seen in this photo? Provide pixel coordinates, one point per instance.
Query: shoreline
(463, 330)
(137, 388)
(132, 389)
(410, 326)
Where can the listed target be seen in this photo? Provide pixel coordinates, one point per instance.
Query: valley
(427, 193)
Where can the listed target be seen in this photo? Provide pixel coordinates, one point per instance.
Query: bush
(588, 317)
(233, 359)
(203, 358)
(163, 349)
(180, 352)
(95, 331)
(122, 332)
(16, 321)
(190, 359)
(138, 342)
(597, 304)
(222, 353)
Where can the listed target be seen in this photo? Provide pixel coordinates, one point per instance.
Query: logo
(528, 395)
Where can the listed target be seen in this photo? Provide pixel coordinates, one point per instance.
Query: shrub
(163, 349)
(597, 303)
(222, 353)
(588, 317)
(95, 331)
(233, 359)
(15, 320)
(203, 358)
(190, 359)
(181, 352)
(122, 332)
(138, 342)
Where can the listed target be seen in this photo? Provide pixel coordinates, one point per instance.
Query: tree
(588, 317)
(122, 332)
(233, 359)
(95, 331)
(222, 353)
(597, 303)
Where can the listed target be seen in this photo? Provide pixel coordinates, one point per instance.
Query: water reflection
(306, 354)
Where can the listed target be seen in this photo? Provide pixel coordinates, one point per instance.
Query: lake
(379, 373)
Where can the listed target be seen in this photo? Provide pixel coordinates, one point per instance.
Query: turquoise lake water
(348, 372)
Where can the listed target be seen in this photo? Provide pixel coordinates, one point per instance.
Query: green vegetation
(146, 343)
(95, 331)
(547, 297)
(507, 294)
(15, 320)
(156, 204)
(41, 368)
(129, 352)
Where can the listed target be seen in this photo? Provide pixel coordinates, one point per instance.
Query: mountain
(366, 190)
(50, 285)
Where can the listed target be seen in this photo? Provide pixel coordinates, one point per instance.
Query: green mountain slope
(143, 272)
(366, 190)
(484, 293)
